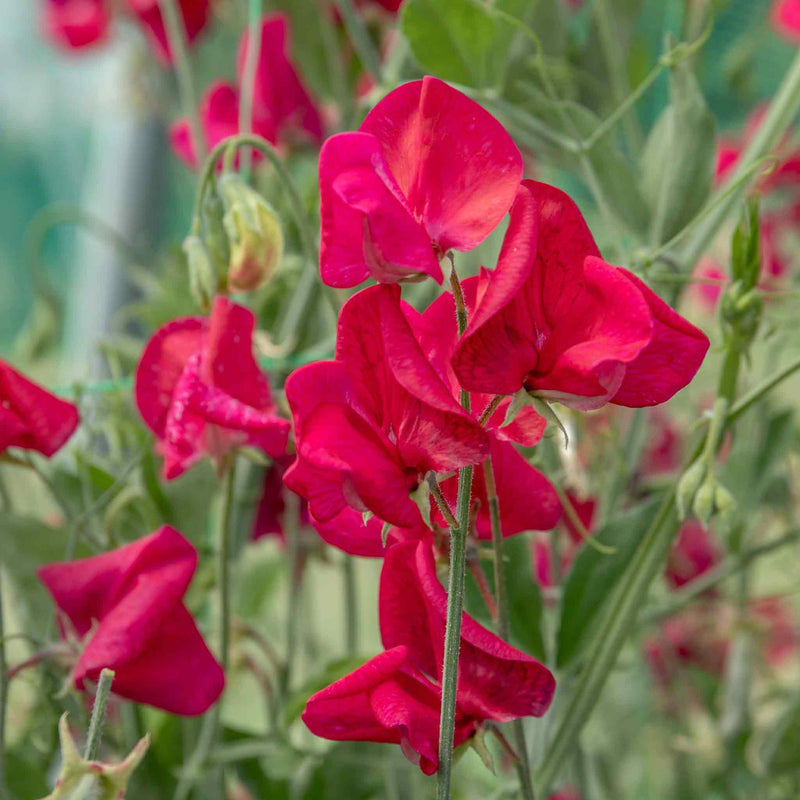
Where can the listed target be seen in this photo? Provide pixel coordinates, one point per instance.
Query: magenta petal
(31, 417)
(453, 160)
(76, 24)
(583, 362)
(670, 360)
(366, 229)
(496, 681)
(321, 487)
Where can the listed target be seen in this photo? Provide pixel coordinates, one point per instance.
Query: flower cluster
(77, 24)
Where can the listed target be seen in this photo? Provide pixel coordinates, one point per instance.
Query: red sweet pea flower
(694, 553)
(372, 423)
(76, 23)
(427, 171)
(395, 697)
(199, 389)
(785, 17)
(31, 417)
(127, 608)
(556, 320)
(281, 104)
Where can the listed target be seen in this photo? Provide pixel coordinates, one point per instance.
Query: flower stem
(4, 681)
(359, 36)
(291, 528)
(503, 623)
(98, 714)
(350, 604)
(441, 501)
(779, 116)
(223, 564)
(249, 77)
(455, 591)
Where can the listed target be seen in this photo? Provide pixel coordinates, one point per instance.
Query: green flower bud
(687, 486)
(704, 501)
(726, 505)
(203, 281)
(254, 233)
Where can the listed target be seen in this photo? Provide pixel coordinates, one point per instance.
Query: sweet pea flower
(372, 423)
(785, 18)
(282, 106)
(694, 553)
(428, 171)
(396, 696)
(126, 608)
(30, 417)
(557, 321)
(201, 392)
(76, 24)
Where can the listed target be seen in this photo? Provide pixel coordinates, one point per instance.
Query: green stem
(4, 680)
(98, 714)
(503, 623)
(350, 604)
(708, 580)
(780, 114)
(614, 629)
(178, 48)
(336, 70)
(359, 36)
(249, 77)
(224, 533)
(455, 591)
(291, 528)
(748, 399)
(615, 64)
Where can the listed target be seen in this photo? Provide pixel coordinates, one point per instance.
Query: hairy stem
(98, 714)
(249, 78)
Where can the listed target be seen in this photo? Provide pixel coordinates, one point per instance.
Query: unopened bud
(704, 501)
(203, 281)
(254, 234)
(726, 505)
(688, 485)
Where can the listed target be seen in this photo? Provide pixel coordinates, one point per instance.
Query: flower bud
(688, 485)
(203, 281)
(726, 505)
(254, 234)
(704, 501)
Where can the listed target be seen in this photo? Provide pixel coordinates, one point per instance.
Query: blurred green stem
(614, 55)
(780, 114)
(249, 78)
(178, 48)
(294, 557)
(351, 604)
(503, 624)
(359, 35)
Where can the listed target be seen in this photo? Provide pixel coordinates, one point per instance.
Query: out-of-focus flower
(282, 106)
(201, 392)
(395, 697)
(695, 552)
(785, 18)
(429, 170)
(560, 323)
(30, 417)
(76, 24)
(370, 425)
(126, 607)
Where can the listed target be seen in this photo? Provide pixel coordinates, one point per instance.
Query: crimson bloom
(396, 696)
(126, 607)
(371, 424)
(76, 24)
(694, 553)
(200, 391)
(556, 320)
(282, 105)
(31, 417)
(429, 170)
(785, 18)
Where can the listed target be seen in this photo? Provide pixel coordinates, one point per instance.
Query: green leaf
(780, 750)
(593, 576)
(452, 39)
(679, 157)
